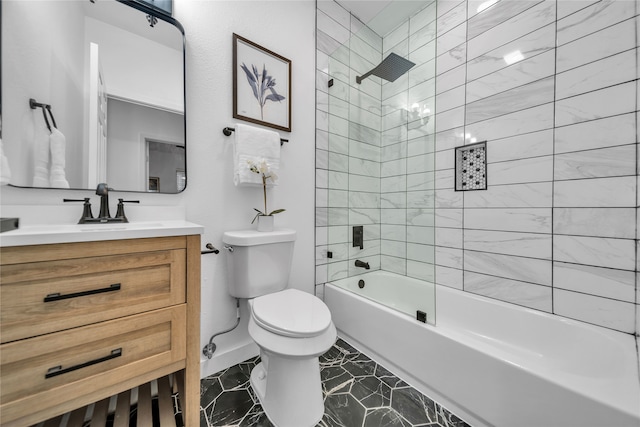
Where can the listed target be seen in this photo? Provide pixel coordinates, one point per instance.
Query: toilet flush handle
(229, 248)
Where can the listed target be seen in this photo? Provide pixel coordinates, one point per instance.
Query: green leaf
(276, 211)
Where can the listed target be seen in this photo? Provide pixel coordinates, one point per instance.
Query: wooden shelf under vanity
(84, 321)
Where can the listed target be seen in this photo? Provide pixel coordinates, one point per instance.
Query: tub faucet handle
(362, 264)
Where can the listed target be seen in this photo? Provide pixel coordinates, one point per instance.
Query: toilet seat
(291, 313)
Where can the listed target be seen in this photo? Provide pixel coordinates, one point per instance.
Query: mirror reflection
(106, 84)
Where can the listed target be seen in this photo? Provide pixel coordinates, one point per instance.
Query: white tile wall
(557, 228)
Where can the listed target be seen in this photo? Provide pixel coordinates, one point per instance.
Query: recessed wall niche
(471, 167)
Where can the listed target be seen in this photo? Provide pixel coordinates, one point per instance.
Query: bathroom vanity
(88, 312)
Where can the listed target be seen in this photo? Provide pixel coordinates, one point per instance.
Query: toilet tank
(258, 263)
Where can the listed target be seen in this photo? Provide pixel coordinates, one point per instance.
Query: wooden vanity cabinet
(80, 322)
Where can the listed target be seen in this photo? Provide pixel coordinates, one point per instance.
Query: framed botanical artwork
(261, 85)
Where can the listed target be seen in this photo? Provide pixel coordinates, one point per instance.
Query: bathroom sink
(120, 226)
(67, 233)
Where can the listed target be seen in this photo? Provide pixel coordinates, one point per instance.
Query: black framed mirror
(105, 78)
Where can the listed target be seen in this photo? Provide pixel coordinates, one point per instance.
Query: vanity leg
(191, 401)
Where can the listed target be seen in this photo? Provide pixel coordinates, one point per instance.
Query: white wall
(287, 28)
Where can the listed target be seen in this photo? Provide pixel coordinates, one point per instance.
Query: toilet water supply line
(210, 348)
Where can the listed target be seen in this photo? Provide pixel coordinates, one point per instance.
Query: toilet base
(290, 392)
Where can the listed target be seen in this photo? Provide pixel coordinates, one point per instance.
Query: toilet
(291, 328)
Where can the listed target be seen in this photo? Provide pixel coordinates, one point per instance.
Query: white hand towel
(41, 159)
(57, 145)
(5, 171)
(253, 143)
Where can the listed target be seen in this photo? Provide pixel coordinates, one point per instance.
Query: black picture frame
(261, 85)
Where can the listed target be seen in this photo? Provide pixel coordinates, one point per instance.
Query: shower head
(392, 67)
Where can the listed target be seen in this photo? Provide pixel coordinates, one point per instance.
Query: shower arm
(359, 79)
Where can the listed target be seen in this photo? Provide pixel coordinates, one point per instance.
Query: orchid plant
(262, 167)
(261, 83)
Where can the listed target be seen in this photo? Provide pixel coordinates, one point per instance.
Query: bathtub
(492, 363)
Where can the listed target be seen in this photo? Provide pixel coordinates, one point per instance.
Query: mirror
(108, 79)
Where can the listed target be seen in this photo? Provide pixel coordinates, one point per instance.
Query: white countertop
(69, 233)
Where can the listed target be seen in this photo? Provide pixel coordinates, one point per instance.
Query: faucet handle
(86, 212)
(120, 211)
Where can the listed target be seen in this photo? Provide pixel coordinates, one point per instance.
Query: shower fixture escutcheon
(390, 69)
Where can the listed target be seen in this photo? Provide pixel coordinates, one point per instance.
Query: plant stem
(264, 189)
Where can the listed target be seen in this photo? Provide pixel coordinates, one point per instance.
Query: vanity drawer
(42, 297)
(47, 370)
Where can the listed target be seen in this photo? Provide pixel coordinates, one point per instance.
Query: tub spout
(362, 264)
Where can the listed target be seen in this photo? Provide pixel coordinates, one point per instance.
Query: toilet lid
(291, 313)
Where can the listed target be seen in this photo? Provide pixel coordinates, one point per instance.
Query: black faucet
(103, 191)
(105, 216)
(362, 264)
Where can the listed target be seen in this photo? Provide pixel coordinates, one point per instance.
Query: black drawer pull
(57, 370)
(59, 296)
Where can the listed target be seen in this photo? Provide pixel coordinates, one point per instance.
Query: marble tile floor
(358, 392)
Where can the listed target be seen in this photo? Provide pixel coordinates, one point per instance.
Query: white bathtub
(493, 363)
